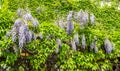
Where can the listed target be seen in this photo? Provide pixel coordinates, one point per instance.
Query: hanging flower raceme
(18, 23)
(70, 25)
(25, 36)
(92, 19)
(108, 46)
(69, 17)
(28, 35)
(76, 39)
(80, 14)
(16, 27)
(22, 39)
(21, 32)
(59, 44)
(83, 42)
(26, 15)
(14, 34)
(73, 45)
(86, 16)
(93, 45)
(84, 19)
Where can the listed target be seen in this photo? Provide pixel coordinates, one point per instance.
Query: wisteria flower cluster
(70, 25)
(59, 44)
(108, 46)
(93, 45)
(26, 15)
(83, 17)
(20, 31)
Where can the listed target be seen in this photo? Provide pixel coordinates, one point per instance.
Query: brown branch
(30, 52)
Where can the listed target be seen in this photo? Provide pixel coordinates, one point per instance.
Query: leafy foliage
(106, 25)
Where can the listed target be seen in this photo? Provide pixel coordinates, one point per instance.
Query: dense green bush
(47, 12)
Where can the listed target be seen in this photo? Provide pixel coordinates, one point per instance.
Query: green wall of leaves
(47, 11)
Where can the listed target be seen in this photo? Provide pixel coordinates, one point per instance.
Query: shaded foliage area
(69, 56)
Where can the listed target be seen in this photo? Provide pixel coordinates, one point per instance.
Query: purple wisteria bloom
(59, 44)
(73, 45)
(76, 39)
(83, 42)
(70, 27)
(108, 46)
(92, 19)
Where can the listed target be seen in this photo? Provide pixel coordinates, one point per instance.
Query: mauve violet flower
(22, 39)
(73, 45)
(27, 16)
(70, 27)
(28, 35)
(80, 14)
(76, 38)
(93, 45)
(18, 23)
(14, 34)
(69, 17)
(83, 41)
(92, 19)
(108, 46)
(84, 18)
(59, 44)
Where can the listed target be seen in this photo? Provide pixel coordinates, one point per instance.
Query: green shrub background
(106, 25)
